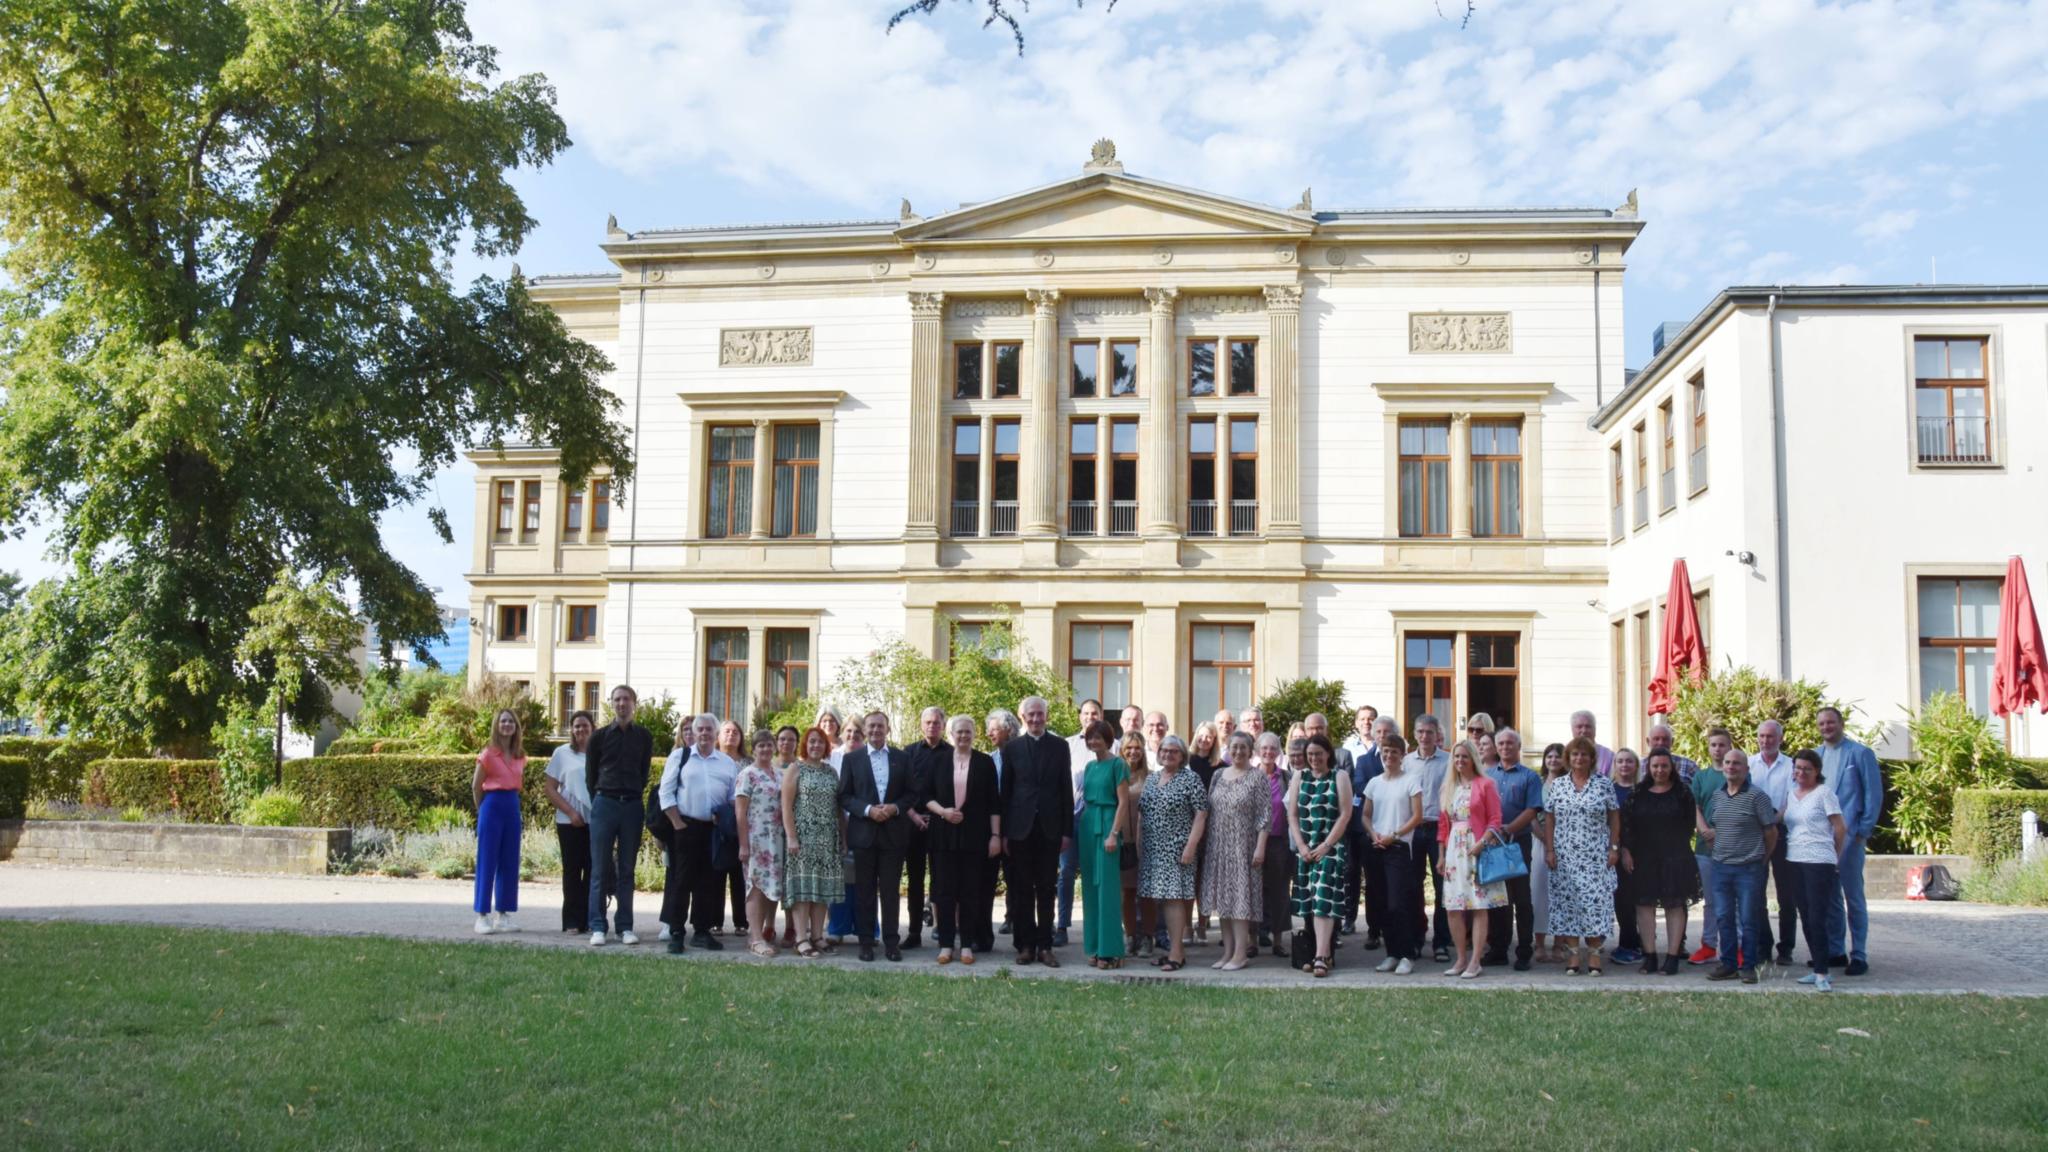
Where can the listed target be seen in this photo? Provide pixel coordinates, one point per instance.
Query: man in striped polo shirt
(1742, 824)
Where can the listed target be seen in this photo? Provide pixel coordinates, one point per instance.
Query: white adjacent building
(1845, 472)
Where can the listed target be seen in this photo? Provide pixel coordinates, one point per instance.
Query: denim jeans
(1739, 900)
(1817, 886)
(1850, 936)
(1070, 870)
(615, 825)
(1710, 908)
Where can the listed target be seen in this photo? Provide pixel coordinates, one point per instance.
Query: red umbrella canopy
(2019, 673)
(1681, 648)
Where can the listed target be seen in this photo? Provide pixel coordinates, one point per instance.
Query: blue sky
(1772, 141)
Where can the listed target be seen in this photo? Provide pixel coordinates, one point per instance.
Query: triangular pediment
(1108, 207)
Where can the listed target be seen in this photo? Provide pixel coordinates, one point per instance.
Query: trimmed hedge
(371, 746)
(1987, 821)
(14, 775)
(56, 766)
(189, 788)
(2026, 773)
(391, 791)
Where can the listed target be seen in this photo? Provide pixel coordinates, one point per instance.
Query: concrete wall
(196, 847)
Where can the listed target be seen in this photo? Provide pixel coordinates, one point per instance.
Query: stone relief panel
(1460, 332)
(754, 347)
(1006, 306)
(1107, 306)
(1224, 303)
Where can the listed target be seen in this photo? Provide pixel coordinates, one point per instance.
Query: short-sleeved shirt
(1520, 790)
(1393, 802)
(1429, 772)
(501, 772)
(566, 769)
(1810, 832)
(1774, 778)
(1739, 822)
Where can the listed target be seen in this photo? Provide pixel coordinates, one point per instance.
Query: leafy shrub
(56, 766)
(188, 789)
(244, 744)
(2030, 773)
(1987, 821)
(14, 792)
(273, 808)
(393, 791)
(397, 706)
(462, 722)
(2009, 882)
(371, 746)
(449, 868)
(442, 818)
(1291, 701)
(135, 814)
(1957, 749)
(657, 714)
(1739, 699)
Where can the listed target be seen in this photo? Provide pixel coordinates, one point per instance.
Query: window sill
(1696, 491)
(1958, 466)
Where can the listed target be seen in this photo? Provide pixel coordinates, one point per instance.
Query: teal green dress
(1102, 886)
(1318, 887)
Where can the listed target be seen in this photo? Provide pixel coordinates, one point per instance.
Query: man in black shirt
(617, 757)
(1038, 817)
(927, 756)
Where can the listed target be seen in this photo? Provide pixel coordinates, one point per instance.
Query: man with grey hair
(1226, 723)
(1771, 770)
(1429, 763)
(696, 783)
(928, 756)
(1038, 819)
(1660, 738)
(1155, 732)
(1253, 721)
(1521, 801)
(876, 792)
(1000, 728)
(1603, 756)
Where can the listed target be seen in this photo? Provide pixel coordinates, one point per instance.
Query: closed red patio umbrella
(1681, 648)
(2019, 672)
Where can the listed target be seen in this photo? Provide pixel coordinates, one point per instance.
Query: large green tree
(228, 338)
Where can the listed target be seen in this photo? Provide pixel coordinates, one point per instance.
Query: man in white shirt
(1070, 860)
(695, 783)
(1603, 756)
(1155, 731)
(1360, 741)
(1428, 764)
(1771, 770)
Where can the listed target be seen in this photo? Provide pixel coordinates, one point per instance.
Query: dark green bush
(1291, 701)
(2026, 773)
(1987, 821)
(14, 774)
(56, 766)
(371, 746)
(393, 791)
(189, 789)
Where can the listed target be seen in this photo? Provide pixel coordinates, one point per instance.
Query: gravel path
(1915, 947)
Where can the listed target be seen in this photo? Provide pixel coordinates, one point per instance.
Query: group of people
(1235, 827)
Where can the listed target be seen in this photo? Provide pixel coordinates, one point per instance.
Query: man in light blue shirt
(695, 783)
(1859, 787)
(1521, 801)
(1429, 763)
(1771, 770)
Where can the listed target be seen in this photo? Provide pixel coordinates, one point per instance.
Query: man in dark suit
(1363, 878)
(927, 756)
(1038, 818)
(877, 791)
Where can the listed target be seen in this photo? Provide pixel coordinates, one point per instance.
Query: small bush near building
(2009, 882)
(1955, 749)
(274, 808)
(1291, 701)
(1739, 699)
(443, 818)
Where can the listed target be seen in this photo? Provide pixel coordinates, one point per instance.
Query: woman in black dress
(1656, 853)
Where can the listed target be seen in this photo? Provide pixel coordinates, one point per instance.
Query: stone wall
(199, 847)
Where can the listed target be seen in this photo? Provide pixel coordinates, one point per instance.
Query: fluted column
(1283, 375)
(1158, 498)
(764, 468)
(1042, 462)
(927, 382)
(1461, 476)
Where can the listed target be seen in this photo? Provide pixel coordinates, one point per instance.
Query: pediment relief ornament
(757, 347)
(1224, 303)
(1460, 332)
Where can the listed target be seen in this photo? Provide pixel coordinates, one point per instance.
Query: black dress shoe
(893, 952)
(1521, 963)
(1004, 930)
(675, 946)
(1025, 956)
(1265, 940)
(1856, 968)
(914, 941)
(1347, 928)
(1838, 961)
(707, 942)
(1494, 960)
(867, 953)
(1372, 942)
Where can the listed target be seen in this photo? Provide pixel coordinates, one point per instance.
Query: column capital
(1162, 299)
(761, 423)
(1044, 301)
(1461, 418)
(1283, 297)
(927, 305)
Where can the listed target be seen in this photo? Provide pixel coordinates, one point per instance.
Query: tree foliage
(228, 341)
(1290, 702)
(1739, 699)
(1955, 748)
(994, 12)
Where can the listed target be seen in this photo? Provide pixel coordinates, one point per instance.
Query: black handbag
(1301, 949)
(1126, 856)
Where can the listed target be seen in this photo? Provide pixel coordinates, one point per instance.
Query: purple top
(1277, 784)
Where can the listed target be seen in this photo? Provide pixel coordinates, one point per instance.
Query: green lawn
(123, 1037)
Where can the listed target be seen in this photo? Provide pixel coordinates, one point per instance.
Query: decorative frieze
(928, 305)
(1460, 332)
(754, 347)
(998, 306)
(1223, 303)
(1107, 306)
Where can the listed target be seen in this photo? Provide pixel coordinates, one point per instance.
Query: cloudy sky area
(1774, 141)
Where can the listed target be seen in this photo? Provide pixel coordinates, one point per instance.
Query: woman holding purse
(1469, 812)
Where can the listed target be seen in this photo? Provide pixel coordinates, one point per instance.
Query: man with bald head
(1771, 770)
(1131, 719)
(1583, 726)
(1155, 731)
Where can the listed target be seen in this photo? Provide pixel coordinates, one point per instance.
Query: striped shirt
(1740, 819)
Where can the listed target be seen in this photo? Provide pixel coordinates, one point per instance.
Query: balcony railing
(1619, 527)
(1642, 507)
(1123, 518)
(1698, 468)
(1080, 517)
(1002, 518)
(1955, 440)
(1667, 490)
(1244, 517)
(1201, 517)
(966, 518)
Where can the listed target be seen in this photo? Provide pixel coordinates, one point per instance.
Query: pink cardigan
(1484, 816)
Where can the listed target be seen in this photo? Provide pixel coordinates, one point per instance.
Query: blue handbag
(1500, 860)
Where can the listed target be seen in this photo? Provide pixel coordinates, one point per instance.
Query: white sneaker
(1823, 984)
(1387, 965)
(1811, 978)
(628, 938)
(1404, 968)
(597, 939)
(506, 923)
(483, 926)
(664, 934)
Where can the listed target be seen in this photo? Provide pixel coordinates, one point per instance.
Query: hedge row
(1986, 824)
(14, 775)
(189, 788)
(56, 769)
(541, 746)
(390, 791)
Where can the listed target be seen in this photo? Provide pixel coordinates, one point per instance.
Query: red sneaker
(1705, 955)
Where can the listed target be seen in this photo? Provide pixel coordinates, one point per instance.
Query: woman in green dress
(1318, 809)
(815, 840)
(1105, 813)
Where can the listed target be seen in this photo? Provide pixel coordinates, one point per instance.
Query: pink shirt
(500, 773)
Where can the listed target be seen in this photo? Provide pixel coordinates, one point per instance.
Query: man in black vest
(877, 792)
(1038, 818)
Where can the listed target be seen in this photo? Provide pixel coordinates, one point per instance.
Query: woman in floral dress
(1469, 812)
(1174, 812)
(812, 873)
(1234, 851)
(1582, 845)
(757, 809)
(1318, 811)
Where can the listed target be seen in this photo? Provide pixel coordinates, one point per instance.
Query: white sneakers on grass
(597, 939)
(1820, 982)
(483, 926)
(1387, 965)
(1404, 967)
(628, 938)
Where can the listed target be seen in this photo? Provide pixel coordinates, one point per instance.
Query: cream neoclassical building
(1192, 446)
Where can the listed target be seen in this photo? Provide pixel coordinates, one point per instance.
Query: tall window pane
(1244, 367)
(967, 371)
(729, 505)
(1082, 367)
(1425, 472)
(796, 480)
(1123, 367)
(1201, 367)
(1496, 478)
(1009, 368)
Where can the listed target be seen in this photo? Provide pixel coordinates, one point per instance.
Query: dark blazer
(977, 808)
(1038, 788)
(857, 792)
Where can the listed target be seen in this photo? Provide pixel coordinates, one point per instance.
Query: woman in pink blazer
(1470, 807)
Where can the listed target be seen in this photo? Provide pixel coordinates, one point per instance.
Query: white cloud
(1888, 224)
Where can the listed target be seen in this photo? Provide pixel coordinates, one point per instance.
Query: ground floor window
(1099, 664)
(1493, 677)
(1959, 637)
(725, 673)
(1428, 679)
(1220, 668)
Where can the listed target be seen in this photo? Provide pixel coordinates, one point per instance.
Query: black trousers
(1819, 885)
(1626, 935)
(959, 913)
(1372, 879)
(735, 883)
(916, 858)
(878, 881)
(1276, 886)
(1404, 887)
(1354, 869)
(575, 842)
(1785, 888)
(1425, 855)
(1034, 876)
(691, 888)
(1518, 915)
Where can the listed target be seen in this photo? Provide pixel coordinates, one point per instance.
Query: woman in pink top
(500, 771)
(1469, 808)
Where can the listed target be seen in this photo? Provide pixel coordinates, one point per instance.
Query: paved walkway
(1916, 947)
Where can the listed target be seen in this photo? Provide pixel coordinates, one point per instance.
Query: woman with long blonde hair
(1468, 813)
(494, 786)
